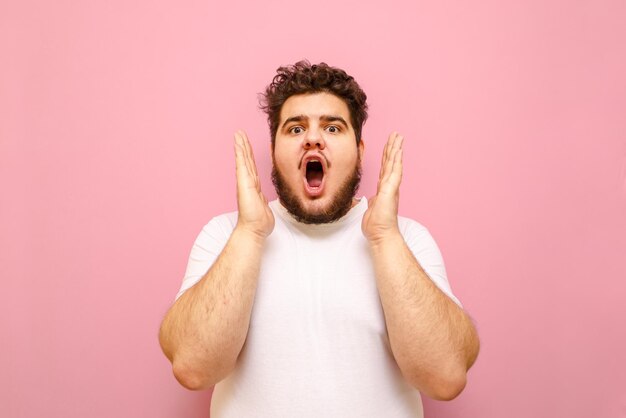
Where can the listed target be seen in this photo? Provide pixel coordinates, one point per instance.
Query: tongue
(315, 182)
(315, 178)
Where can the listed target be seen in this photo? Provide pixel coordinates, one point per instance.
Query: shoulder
(217, 229)
(225, 222)
(206, 248)
(427, 253)
(412, 230)
(409, 225)
(418, 238)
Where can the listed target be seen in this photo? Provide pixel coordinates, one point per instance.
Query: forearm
(204, 331)
(432, 339)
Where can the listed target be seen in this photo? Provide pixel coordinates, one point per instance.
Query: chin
(326, 208)
(316, 205)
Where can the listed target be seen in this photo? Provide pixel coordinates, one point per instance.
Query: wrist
(249, 235)
(386, 238)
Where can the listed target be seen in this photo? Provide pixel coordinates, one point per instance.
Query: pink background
(116, 122)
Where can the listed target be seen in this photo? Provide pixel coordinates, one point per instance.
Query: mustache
(321, 155)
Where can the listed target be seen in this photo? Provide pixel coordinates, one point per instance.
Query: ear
(361, 148)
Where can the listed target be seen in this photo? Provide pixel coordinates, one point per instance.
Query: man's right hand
(255, 216)
(204, 331)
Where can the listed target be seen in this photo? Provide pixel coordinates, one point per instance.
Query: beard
(338, 207)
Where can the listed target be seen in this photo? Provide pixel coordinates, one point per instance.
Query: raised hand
(381, 218)
(255, 215)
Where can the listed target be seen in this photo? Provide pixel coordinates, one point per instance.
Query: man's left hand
(381, 218)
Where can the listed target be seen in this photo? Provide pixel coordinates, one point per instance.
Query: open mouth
(314, 176)
(314, 173)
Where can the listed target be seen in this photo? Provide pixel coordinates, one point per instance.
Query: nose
(312, 139)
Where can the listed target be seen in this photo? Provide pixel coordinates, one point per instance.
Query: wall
(116, 147)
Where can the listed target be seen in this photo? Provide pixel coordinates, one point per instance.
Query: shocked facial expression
(317, 162)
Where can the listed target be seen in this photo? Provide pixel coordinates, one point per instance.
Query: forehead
(314, 106)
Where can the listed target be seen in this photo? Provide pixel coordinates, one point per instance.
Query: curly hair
(303, 78)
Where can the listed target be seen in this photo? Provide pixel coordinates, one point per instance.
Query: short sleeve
(206, 248)
(425, 249)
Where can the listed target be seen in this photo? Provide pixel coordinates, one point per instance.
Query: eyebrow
(323, 118)
(333, 118)
(298, 118)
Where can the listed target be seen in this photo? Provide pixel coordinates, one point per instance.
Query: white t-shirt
(317, 345)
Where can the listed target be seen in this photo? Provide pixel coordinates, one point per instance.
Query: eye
(296, 130)
(333, 129)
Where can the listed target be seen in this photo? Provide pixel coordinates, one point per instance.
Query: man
(317, 304)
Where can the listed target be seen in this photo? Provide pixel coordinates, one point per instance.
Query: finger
(383, 162)
(395, 146)
(394, 143)
(385, 154)
(251, 160)
(396, 173)
(396, 155)
(239, 158)
(244, 147)
(244, 176)
(250, 153)
(390, 183)
(246, 154)
(242, 170)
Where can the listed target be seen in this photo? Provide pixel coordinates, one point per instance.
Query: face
(317, 162)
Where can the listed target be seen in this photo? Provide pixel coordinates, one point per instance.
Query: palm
(381, 217)
(254, 213)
